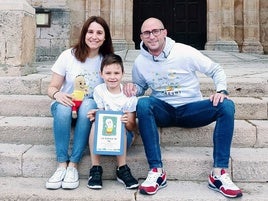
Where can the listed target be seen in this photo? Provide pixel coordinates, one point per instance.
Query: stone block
(244, 135)
(25, 105)
(250, 165)
(26, 130)
(250, 108)
(18, 25)
(21, 85)
(262, 128)
(11, 159)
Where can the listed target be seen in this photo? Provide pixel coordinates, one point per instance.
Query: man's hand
(217, 97)
(129, 89)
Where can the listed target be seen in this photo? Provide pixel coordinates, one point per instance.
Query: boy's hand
(124, 118)
(91, 114)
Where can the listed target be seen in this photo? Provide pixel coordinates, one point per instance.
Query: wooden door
(185, 20)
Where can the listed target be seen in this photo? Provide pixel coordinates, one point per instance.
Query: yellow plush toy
(80, 90)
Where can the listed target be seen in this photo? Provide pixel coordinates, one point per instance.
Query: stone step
(31, 84)
(18, 189)
(246, 75)
(181, 163)
(27, 151)
(39, 105)
(37, 84)
(38, 130)
(25, 105)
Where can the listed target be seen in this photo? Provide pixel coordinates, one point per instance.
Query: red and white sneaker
(154, 181)
(224, 185)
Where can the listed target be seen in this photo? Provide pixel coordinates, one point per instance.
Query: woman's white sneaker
(71, 179)
(55, 181)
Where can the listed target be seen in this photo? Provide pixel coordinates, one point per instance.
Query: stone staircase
(27, 155)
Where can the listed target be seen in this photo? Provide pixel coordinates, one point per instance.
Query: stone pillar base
(252, 47)
(122, 45)
(228, 46)
(10, 70)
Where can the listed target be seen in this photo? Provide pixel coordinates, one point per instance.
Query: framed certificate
(109, 133)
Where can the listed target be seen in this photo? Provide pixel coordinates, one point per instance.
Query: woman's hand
(54, 92)
(64, 98)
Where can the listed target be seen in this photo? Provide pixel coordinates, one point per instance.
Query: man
(169, 70)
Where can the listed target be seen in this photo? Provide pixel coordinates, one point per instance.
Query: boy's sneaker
(125, 177)
(224, 185)
(55, 181)
(95, 177)
(154, 181)
(70, 180)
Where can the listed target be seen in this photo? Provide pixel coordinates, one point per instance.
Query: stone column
(129, 24)
(93, 7)
(221, 26)
(119, 13)
(251, 41)
(264, 25)
(17, 37)
(212, 23)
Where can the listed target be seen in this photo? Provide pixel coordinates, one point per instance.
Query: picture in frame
(109, 133)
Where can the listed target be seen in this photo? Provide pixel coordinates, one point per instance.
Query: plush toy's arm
(86, 92)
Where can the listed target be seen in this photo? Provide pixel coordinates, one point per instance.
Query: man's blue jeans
(153, 113)
(62, 124)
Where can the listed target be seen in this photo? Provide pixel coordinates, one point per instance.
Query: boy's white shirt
(113, 102)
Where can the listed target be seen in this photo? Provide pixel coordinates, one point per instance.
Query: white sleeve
(98, 98)
(130, 105)
(61, 63)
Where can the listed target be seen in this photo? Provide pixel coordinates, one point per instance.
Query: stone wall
(67, 18)
(227, 25)
(50, 42)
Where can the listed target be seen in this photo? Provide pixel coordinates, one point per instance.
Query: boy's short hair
(111, 59)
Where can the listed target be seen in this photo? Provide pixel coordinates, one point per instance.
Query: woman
(84, 59)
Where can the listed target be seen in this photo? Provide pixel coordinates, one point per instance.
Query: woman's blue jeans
(62, 125)
(153, 113)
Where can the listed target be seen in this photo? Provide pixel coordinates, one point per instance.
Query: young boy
(109, 96)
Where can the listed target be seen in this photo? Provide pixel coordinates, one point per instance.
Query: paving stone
(33, 189)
